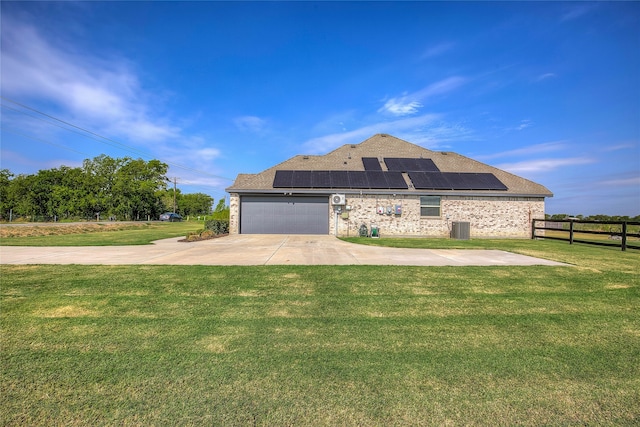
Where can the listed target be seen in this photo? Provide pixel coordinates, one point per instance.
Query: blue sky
(547, 90)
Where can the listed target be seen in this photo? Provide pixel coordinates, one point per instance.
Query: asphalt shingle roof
(349, 158)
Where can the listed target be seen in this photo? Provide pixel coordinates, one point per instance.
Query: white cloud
(250, 124)
(410, 103)
(327, 143)
(103, 92)
(543, 165)
(208, 154)
(437, 50)
(440, 87)
(401, 106)
(545, 76)
(576, 10)
(524, 124)
(618, 147)
(623, 182)
(528, 151)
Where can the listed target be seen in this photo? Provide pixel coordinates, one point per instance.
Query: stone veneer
(488, 216)
(234, 213)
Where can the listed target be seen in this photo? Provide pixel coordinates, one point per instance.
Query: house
(389, 185)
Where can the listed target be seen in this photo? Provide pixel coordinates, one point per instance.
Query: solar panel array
(379, 180)
(398, 164)
(455, 181)
(423, 173)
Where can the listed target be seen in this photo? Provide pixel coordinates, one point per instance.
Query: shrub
(217, 226)
(207, 234)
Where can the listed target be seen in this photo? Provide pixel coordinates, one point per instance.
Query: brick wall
(488, 216)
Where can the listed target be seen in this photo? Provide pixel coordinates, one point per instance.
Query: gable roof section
(349, 157)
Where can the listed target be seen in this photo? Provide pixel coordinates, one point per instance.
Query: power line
(43, 141)
(179, 181)
(101, 139)
(125, 148)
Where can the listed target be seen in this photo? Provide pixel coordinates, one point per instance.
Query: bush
(217, 226)
(206, 234)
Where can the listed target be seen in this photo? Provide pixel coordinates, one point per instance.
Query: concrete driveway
(261, 250)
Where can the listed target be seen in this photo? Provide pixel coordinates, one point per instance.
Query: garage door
(284, 215)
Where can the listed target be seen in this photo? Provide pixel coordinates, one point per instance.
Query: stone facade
(234, 213)
(488, 216)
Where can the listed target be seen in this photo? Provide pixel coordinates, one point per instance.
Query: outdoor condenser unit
(338, 199)
(460, 230)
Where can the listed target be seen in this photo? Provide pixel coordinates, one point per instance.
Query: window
(429, 205)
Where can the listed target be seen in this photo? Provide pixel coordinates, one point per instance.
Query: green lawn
(325, 345)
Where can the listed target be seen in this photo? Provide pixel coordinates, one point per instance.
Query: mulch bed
(200, 238)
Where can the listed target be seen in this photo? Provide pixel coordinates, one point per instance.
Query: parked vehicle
(171, 217)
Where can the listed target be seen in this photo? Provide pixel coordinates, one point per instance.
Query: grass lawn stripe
(323, 345)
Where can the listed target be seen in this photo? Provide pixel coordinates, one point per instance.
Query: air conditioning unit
(460, 230)
(338, 199)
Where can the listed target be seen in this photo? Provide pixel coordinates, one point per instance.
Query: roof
(349, 158)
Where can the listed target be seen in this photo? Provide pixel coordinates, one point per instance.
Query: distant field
(325, 345)
(93, 234)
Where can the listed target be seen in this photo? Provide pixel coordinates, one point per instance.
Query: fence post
(571, 232)
(533, 229)
(624, 235)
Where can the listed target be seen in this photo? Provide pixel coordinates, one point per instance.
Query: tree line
(103, 187)
(592, 217)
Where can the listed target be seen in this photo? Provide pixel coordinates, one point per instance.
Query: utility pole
(174, 194)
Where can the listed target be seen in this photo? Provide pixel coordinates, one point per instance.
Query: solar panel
(394, 164)
(410, 165)
(321, 179)
(491, 182)
(429, 181)
(399, 164)
(358, 179)
(457, 181)
(371, 164)
(301, 179)
(426, 165)
(474, 181)
(377, 179)
(339, 179)
(283, 179)
(395, 180)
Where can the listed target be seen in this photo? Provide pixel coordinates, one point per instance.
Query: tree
(5, 202)
(195, 204)
(100, 174)
(127, 188)
(221, 206)
(221, 211)
(137, 186)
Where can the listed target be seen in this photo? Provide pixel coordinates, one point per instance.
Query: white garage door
(284, 215)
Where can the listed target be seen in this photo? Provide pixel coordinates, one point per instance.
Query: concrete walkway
(261, 250)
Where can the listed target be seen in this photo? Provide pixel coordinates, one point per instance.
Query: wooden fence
(623, 234)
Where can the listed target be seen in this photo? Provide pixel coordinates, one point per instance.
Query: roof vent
(305, 157)
(384, 135)
(444, 153)
(353, 145)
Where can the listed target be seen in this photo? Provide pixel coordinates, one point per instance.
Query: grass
(325, 345)
(577, 254)
(94, 234)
